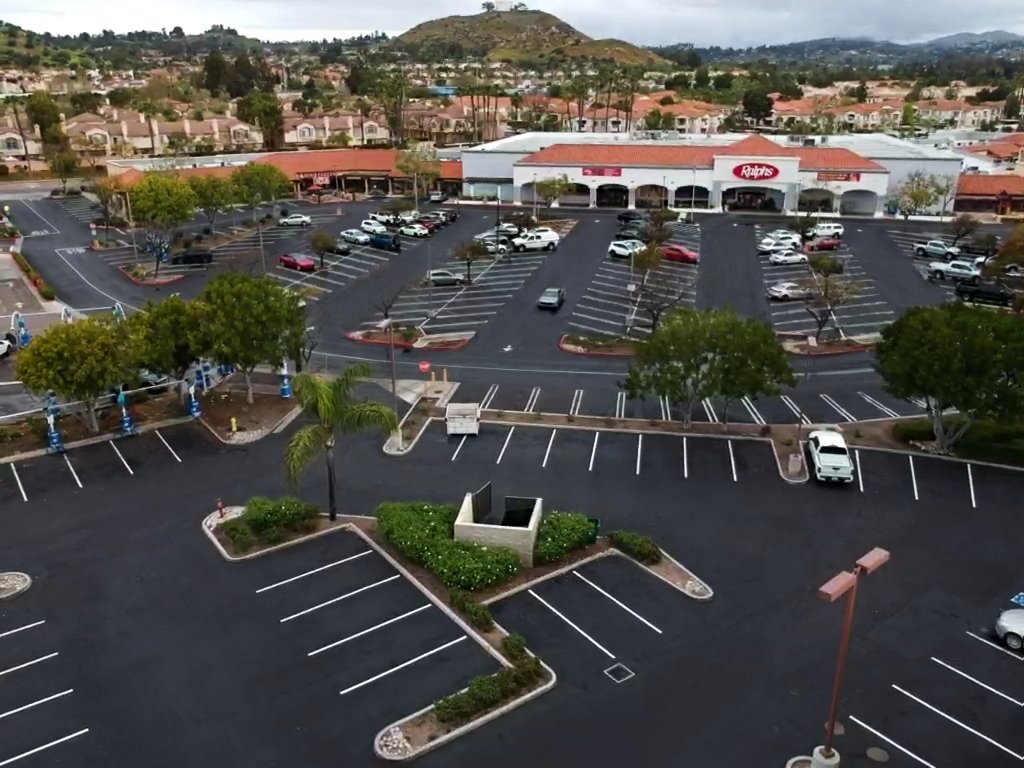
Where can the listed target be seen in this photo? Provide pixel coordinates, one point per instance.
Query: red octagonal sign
(755, 171)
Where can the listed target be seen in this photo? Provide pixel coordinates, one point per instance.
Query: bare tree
(385, 304)
(829, 290)
(660, 292)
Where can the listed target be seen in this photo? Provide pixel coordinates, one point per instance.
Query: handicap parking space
(344, 621)
(605, 624)
(41, 713)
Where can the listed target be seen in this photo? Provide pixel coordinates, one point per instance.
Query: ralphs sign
(755, 171)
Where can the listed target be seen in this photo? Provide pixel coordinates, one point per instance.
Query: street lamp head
(837, 586)
(873, 560)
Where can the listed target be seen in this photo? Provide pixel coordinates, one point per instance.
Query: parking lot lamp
(843, 583)
(693, 192)
(389, 324)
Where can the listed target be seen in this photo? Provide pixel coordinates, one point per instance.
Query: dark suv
(193, 256)
(992, 292)
(975, 249)
(386, 242)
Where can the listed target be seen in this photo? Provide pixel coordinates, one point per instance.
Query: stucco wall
(521, 540)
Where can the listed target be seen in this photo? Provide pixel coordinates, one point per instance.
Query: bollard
(433, 377)
(234, 425)
(220, 507)
(444, 373)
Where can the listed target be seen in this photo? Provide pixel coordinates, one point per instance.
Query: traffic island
(229, 415)
(13, 583)
(808, 346)
(265, 525)
(411, 337)
(147, 275)
(597, 347)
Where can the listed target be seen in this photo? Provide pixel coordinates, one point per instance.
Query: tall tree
(963, 226)
(161, 203)
(551, 189)
(470, 252)
(391, 91)
(420, 164)
(829, 289)
(258, 183)
(955, 357)
(214, 195)
(86, 101)
(108, 194)
(42, 110)
(165, 336)
(249, 321)
(321, 242)
(64, 163)
(264, 111)
(216, 73)
(749, 362)
(365, 109)
(332, 408)
(757, 105)
(917, 193)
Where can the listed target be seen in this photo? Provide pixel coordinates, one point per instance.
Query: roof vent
(808, 142)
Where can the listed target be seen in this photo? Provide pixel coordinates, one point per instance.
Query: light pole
(388, 323)
(693, 192)
(843, 583)
(534, 197)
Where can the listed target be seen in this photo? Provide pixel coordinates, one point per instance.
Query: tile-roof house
(1001, 193)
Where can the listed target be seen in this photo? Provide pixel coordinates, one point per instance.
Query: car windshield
(550, 293)
(833, 450)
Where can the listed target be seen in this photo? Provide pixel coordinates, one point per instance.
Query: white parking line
(639, 451)
(860, 475)
(54, 743)
(618, 602)
(35, 703)
(17, 479)
(168, 447)
(593, 452)
(403, 665)
(883, 408)
(72, 470)
(277, 584)
(620, 405)
(709, 410)
(462, 442)
(548, 451)
(531, 402)
(788, 402)
(889, 741)
(485, 402)
(22, 629)
(130, 470)
(977, 682)
(686, 462)
(913, 477)
(28, 663)
(334, 600)
(507, 438)
(562, 616)
(754, 414)
(953, 720)
(344, 640)
(999, 648)
(732, 462)
(837, 408)
(577, 401)
(970, 484)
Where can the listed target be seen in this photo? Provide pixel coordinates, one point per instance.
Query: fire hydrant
(234, 425)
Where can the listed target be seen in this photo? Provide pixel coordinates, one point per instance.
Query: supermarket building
(715, 172)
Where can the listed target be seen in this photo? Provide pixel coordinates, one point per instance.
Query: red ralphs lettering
(755, 171)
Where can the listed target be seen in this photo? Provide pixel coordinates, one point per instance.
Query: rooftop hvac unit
(809, 142)
(823, 140)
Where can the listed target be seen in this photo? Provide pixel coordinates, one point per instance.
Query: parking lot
(102, 464)
(954, 697)
(865, 313)
(904, 240)
(611, 302)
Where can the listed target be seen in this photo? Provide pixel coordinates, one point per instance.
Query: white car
(542, 239)
(384, 217)
(5, 348)
(373, 227)
(781, 234)
(1010, 628)
(355, 236)
(788, 291)
(624, 249)
(788, 257)
(771, 244)
(827, 229)
(830, 458)
(499, 246)
(413, 230)
(295, 220)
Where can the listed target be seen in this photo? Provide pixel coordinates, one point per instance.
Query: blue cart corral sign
(1018, 599)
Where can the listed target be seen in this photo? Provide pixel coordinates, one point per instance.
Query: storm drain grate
(620, 673)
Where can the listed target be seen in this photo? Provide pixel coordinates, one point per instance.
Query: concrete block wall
(520, 540)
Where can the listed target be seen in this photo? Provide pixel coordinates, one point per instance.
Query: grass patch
(997, 442)
(599, 342)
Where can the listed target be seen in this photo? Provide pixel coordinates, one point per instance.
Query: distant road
(32, 190)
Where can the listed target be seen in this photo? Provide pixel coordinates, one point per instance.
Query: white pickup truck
(540, 239)
(937, 249)
(462, 418)
(953, 270)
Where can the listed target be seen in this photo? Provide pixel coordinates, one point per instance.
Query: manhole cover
(620, 673)
(877, 754)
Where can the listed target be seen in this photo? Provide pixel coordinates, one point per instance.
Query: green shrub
(47, 292)
(514, 648)
(456, 708)
(999, 442)
(239, 534)
(489, 691)
(271, 520)
(463, 565)
(638, 547)
(414, 526)
(559, 534)
(485, 692)
(478, 615)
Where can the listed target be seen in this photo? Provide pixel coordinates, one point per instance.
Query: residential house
(1002, 194)
(868, 116)
(11, 148)
(318, 129)
(126, 133)
(958, 114)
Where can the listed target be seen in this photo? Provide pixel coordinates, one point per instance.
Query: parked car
(412, 229)
(542, 239)
(439, 277)
(551, 298)
(355, 236)
(972, 248)
(341, 248)
(294, 220)
(373, 227)
(788, 291)
(782, 233)
(1010, 628)
(428, 223)
(788, 257)
(193, 256)
(830, 458)
(827, 229)
(678, 253)
(985, 292)
(6, 347)
(954, 270)
(510, 229)
(779, 243)
(449, 215)
(500, 246)
(937, 249)
(386, 242)
(384, 217)
(642, 234)
(301, 263)
(438, 217)
(437, 196)
(823, 244)
(624, 249)
(633, 217)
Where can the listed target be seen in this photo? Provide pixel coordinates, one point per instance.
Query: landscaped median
(146, 274)
(412, 337)
(800, 344)
(597, 346)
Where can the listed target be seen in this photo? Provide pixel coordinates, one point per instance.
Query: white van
(827, 229)
(542, 239)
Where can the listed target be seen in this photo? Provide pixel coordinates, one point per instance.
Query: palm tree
(334, 409)
(365, 109)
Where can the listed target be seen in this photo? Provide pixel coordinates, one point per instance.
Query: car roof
(828, 437)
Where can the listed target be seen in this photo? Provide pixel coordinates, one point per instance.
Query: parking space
(344, 621)
(904, 240)
(104, 463)
(605, 624)
(953, 698)
(864, 313)
(43, 719)
(614, 300)
(34, 219)
(338, 271)
(80, 208)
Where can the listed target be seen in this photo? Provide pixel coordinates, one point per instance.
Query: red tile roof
(329, 161)
(990, 185)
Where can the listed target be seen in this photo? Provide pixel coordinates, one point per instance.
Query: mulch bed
(147, 279)
(319, 525)
(265, 412)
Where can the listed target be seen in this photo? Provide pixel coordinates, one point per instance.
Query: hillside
(516, 36)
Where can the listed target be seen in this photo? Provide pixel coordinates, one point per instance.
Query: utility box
(462, 418)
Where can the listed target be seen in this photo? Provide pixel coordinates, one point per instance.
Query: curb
(407, 447)
(23, 588)
(566, 347)
(554, 574)
(472, 725)
(140, 429)
(149, 281)
(429, 347)
(708, 592)
(805, 477)
(209, 524)
(281, 424)
(922, 454)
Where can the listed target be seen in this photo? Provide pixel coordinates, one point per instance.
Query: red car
(823, 244)
(678, 253)
(431, 224)
(301, 263)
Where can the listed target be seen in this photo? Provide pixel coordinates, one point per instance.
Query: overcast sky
(647, 22)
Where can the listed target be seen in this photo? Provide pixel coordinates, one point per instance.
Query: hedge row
(475, 613)
(270, 521)
(559, 534)
(984, 440)
(424, 533)
(489, 691)
(638, 547)
(44, 290)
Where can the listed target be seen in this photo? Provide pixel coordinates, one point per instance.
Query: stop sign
(424, 366)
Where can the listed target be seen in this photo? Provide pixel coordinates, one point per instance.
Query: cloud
(647, 22)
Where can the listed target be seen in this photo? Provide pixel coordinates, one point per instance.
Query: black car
(450, 215)
(976, 249)
(193, 256)
(634, 233)
(985, 292)
(632, 217)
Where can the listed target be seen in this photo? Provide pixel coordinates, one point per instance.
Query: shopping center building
(714, 172)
